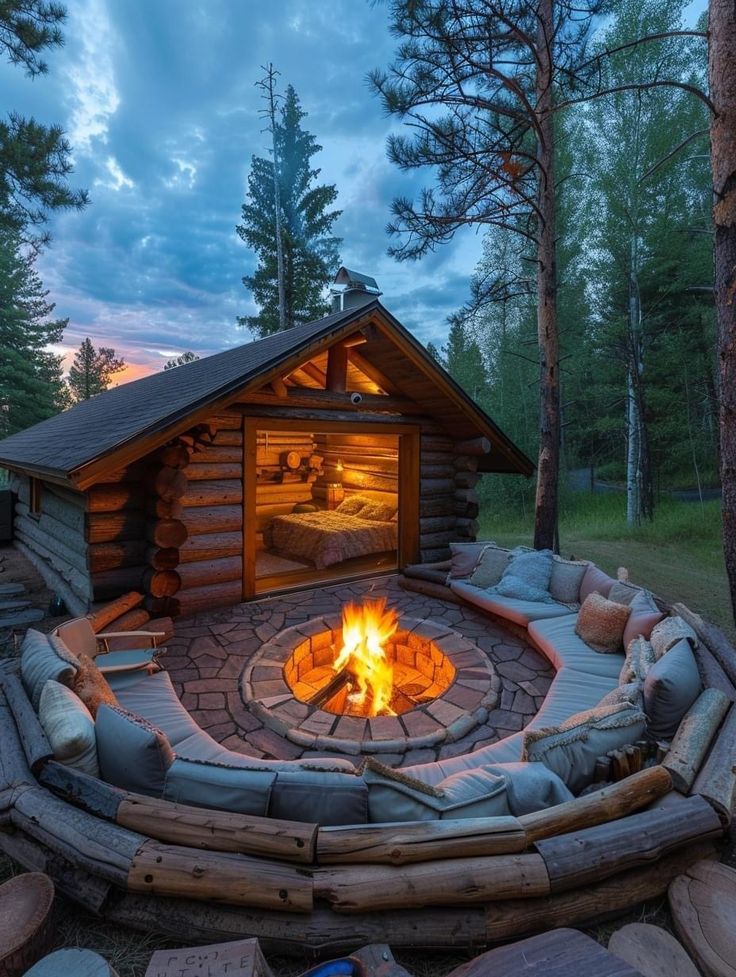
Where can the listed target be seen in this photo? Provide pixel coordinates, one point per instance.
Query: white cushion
(69, 728)
(558, 641)
(519, 611)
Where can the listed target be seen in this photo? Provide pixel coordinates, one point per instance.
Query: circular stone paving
(210, 651)
(460, 687)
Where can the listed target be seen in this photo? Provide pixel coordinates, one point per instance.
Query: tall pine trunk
(545, 516)
(722, 78)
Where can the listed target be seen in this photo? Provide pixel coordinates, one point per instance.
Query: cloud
(163, 113)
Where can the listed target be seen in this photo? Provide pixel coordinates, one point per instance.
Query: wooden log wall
(210, 566)
(54, 539)
(288, 464)
(448, 502)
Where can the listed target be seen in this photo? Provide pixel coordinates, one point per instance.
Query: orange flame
(365, 629)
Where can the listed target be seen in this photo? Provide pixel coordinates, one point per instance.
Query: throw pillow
(527, 576)
(595, 581)
(69, 727)
(623, 593)
(92, 687)
(601, 624)
(490, 567)
(565, 580)
(672, 685)
(531, 787)
(631, 692)
(352, 505)
(639, 659)
(668, 632)
(133, 753)
(572, 748)
(644, 615)
(464, 559)
(376, 512)
(44, 657)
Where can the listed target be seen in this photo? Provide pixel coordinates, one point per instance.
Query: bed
(328, 537)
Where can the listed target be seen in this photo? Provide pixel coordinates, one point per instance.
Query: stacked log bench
(210, 875)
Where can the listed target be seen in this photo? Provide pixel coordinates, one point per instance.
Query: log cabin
(336, 449)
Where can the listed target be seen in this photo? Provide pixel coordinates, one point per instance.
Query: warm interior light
(338, 466)
(365, 630)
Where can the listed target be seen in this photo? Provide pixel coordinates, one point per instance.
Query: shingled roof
(67, 442)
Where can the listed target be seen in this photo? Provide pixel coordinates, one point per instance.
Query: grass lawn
(678, 556)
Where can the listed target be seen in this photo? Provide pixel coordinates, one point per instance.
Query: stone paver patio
(209, 653)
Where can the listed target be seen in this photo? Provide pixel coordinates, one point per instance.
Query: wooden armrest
(124, 634)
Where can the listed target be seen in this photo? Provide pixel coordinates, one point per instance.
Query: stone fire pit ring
(270, 684)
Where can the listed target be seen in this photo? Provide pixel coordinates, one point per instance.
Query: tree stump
(26, 925)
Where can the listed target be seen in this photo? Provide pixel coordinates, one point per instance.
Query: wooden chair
(80, 639)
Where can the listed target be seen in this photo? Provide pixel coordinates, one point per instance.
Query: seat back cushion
(395, 796)
(91, 686)
(464, 559)
(78, 636)
(326, 797)
(44, 657)
(668, 632)
(643, 617)
(527, 576)
(601, 624)
(595, 581)
(133, 754)
(572, 748)
(204, 783)
(565, 580)
(623, 592)
(672, 685)
(490, 567)
(69, 728)
(531, 787)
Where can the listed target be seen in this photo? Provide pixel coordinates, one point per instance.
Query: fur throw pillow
(92, 687)
(601, 624)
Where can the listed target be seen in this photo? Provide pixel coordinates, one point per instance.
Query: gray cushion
(643, 617)
(623, 593)
(531, 787)
(319, 797)
(519, 611)
(465, 557)
(394, 795)
(133, 754)
(44, 657)
(154, 698)
(126, 661)
(595, 580)
(565, 580)
(558, 641)
(527, 576)
(671, 686)
(489, 569)
(572, 749)
(244, 790)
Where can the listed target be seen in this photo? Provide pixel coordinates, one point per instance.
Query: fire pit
(370, 681)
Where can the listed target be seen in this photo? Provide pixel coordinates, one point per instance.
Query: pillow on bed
(352, 505)
(377, 512)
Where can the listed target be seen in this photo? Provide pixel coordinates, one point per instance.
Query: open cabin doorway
(327, 501)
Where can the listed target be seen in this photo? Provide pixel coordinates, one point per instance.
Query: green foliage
(310, 251)
(92, 370)
(181, 360)
(31, 384)
(34, 158)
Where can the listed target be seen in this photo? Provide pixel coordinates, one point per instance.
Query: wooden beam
(250, 449)
(372, 372)
(279, 387)
(331, 400)
(314, 372)
(337, 368)
(357, 340)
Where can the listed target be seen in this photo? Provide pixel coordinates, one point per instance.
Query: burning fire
(365, 629)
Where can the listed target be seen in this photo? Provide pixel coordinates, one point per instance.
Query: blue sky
(159, 104)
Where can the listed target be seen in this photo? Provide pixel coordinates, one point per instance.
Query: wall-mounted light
(339, 467)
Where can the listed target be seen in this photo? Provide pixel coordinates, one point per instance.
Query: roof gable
(163, 403)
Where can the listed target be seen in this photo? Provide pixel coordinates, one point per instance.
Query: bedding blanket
(327, 537)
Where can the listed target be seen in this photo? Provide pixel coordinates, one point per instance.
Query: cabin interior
(327, 505)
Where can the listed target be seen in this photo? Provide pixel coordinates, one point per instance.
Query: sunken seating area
(573, 818)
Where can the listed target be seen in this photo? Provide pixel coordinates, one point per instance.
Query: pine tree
(310, 252)
(181, 360)
(31, 384)
(92, 370)
(34, 158)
